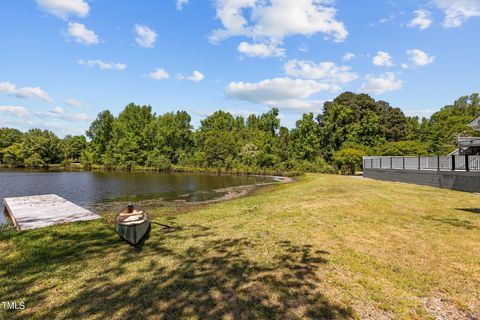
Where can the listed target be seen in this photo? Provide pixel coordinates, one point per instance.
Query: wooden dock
(44, 210)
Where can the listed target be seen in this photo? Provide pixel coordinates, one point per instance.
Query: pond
(94, 189)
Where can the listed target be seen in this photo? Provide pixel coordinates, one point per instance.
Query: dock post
(438, 163)
(403, 158)
(391, 164)
(466, 163)
(453, 162)
(419, 161)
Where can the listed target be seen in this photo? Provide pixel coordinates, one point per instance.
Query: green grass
(322, 247)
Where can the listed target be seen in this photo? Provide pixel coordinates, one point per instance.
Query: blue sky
(63, 61)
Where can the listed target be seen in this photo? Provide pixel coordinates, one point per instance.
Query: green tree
(402, 148)
(305, 139)
(12, 155)
(73, 146)
(8, 136)
(131, 136)
(173, 135)
(42, 143)
(440, 131)
(100, 134)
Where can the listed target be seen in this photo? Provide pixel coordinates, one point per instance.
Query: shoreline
(224, 194)
(172, 169)
(230, 193)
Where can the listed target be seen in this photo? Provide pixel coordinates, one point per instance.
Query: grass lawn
(322, 247)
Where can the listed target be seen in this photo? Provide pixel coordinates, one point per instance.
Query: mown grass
(324, 247)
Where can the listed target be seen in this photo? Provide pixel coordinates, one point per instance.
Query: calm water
(89, 189)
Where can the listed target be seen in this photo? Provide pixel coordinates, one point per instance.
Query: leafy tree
(305, 139)
(100, 134)
(394, 122)
(173, 135)
(8, 136)
(131, 137)
(402, 148)
(12, 155)
(42, 143)
(440, 131)
(269, 121)
(73, 146)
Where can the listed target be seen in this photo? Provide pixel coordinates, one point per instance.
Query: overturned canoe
(132, 224)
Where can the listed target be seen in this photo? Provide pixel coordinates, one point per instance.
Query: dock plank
(45, 210)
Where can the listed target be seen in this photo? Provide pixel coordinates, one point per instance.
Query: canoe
(132, 224)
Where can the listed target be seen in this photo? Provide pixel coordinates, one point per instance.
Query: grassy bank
(323, 247)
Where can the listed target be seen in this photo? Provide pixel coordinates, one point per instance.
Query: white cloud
(277, 19)
(57, 110)
(458, 11)
(420, 113)
(58, 113)
(181, 4)
(284, 93)
(420, 58)
(404, 66)
(260, 50)
(64, 8)
(103, 65)
(16, 110)
(78, 117)
(327, 71)
(74, 103)
(422, 19)
(146, 37)
(348, 56)
(159, 74)
(32, 93)
(382, 83)
(383, 59)
(384, 20)
(196, 76)
(81, 34)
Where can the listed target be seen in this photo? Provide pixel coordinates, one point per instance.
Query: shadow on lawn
(453, 222)
(215, 278)
(471, 210)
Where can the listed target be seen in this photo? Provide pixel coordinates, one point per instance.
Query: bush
(87, 158)
(318, 165)
(158, 161)
(34, 161)
(349, 160)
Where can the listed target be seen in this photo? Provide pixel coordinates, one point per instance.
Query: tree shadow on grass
(213, 278)
(455, 222)
(471, 210)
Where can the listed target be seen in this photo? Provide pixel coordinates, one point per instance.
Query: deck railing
(439, 163)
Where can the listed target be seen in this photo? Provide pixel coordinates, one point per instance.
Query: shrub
(34, 161)
(349, 160)
(158, 161)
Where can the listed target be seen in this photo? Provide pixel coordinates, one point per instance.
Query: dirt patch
(441, 309)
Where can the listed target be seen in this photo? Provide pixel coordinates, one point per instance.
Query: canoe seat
(133, 218)
(132, 214)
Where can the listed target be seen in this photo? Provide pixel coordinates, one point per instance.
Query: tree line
(349, 127)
